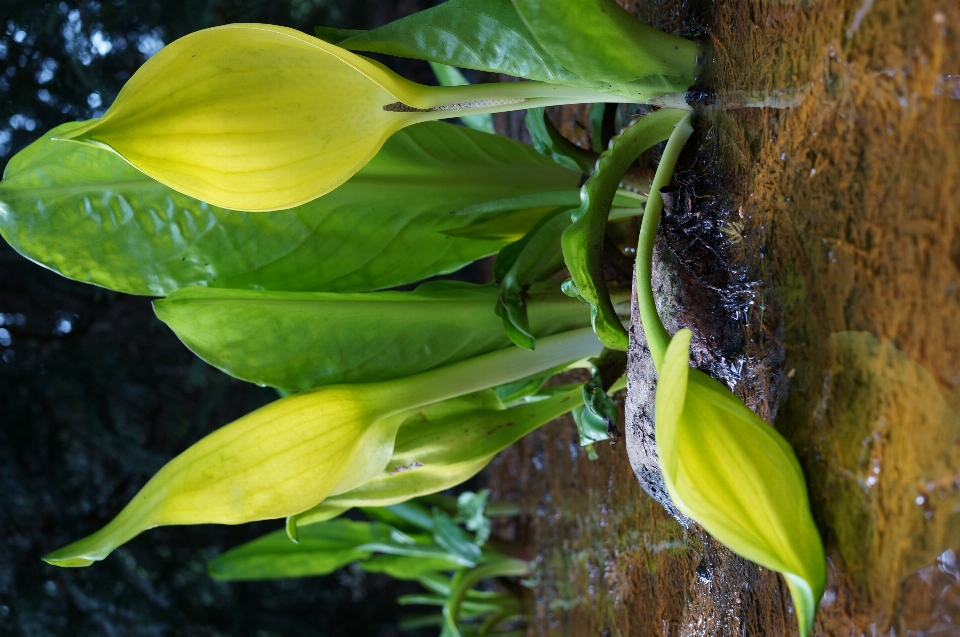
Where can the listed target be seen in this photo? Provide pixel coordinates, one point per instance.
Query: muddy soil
(816, 254)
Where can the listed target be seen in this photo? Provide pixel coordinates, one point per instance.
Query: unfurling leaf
(87, 214)
(300, 340)
(583, 241)
(737, 477)
(258, 117)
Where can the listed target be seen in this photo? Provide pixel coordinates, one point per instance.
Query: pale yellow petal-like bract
(252, 117)
(276, 461)
(736, 476)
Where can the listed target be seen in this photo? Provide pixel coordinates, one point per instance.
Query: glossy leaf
(598, 39)
(407, 568)
(87, 214)
(259, 117)
(489, 35)
(583, 241)
(737, 477)
(323, 548)
(485, 35)
(288, 456)
(299, 340)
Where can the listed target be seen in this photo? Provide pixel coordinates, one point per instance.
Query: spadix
(258, 117)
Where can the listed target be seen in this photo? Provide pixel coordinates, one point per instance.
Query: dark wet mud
(816, 254)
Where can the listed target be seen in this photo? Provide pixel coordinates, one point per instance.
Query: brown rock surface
(815, 254)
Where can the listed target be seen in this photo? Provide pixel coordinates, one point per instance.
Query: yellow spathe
(736, 476)
(252, 117)
(276, 461)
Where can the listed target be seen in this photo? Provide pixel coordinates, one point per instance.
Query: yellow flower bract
(252, 117)
(736, 476)
(277, 461)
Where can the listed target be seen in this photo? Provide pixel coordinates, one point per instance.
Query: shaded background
(96, 394)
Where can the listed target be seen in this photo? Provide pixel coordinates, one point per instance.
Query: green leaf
(736, 476)
(407, 568)
(323, 548)
(451, 76)
(519, 266)
(485, 35)
(599, 40)
(299, 340)
(470, 511)
(512, 217)
(334, 35)
(548, 141)
(87, 214)
(583, 241)
(489, 35)
(451, 537)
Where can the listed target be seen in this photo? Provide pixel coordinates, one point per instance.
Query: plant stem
(653, 329)
(440, 102)
(488, 370)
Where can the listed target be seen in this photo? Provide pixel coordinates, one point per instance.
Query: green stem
(653, 329)
(440, 102)
(464, 581)
(489, 370)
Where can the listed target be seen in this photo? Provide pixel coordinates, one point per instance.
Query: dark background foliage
(96, 394)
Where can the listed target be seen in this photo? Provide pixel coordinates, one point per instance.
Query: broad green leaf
(325, 547)
(489, 35)
(259, 117)
(451, 76)
(322, 549)
(485, 35)
(89, 215)
(299, 340)
(599, 40)
(289, 455)
(583, 241)
(736, 476)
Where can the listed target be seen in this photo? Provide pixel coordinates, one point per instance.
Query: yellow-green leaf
(736, 476)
